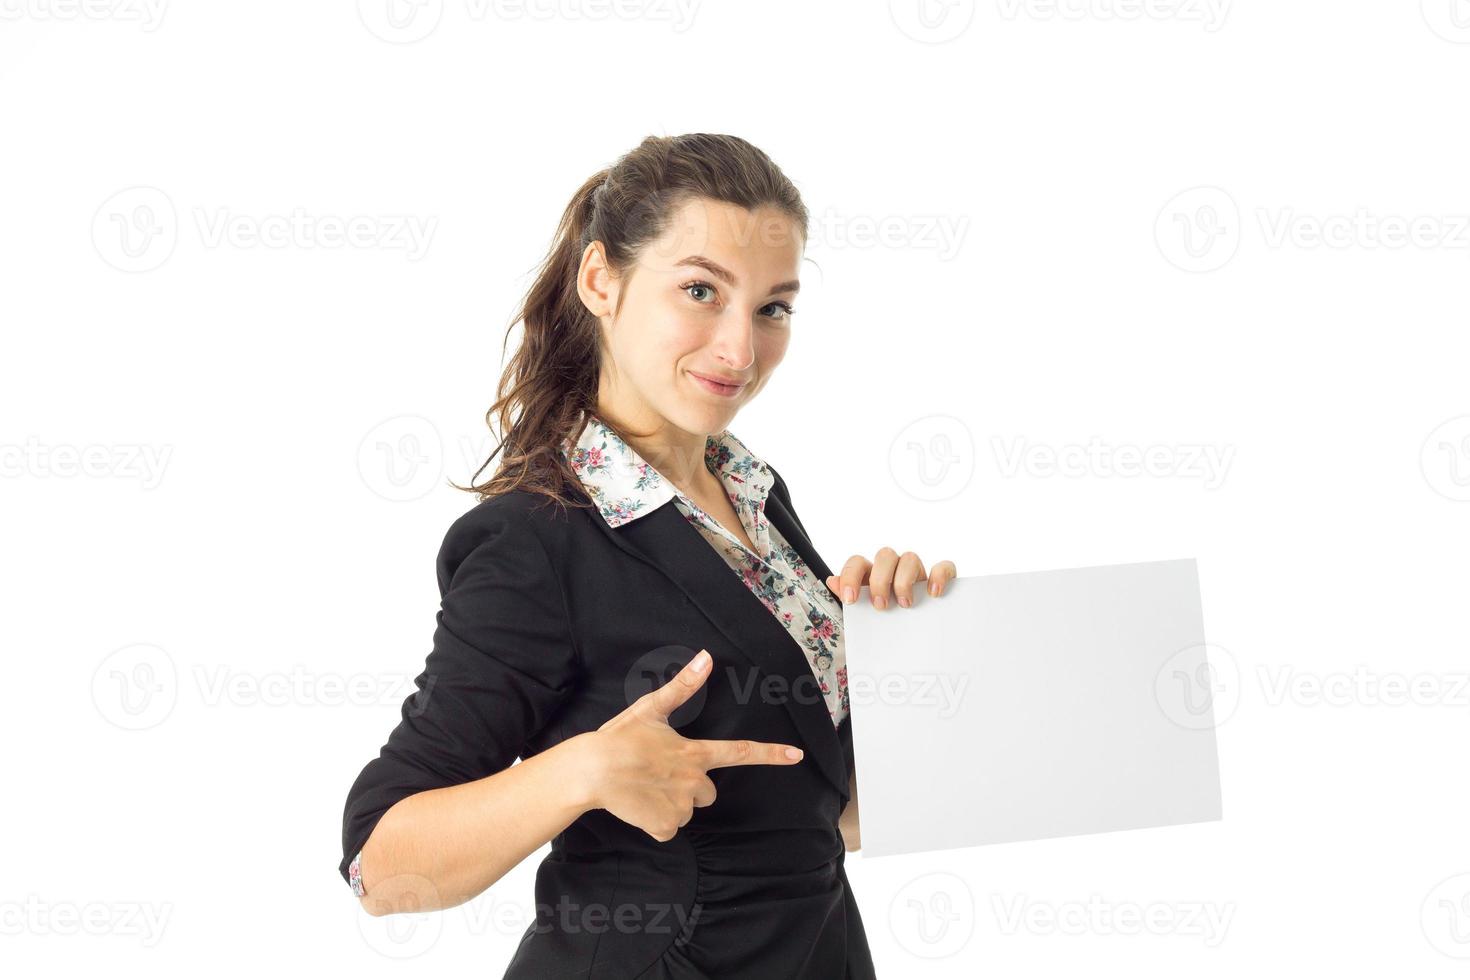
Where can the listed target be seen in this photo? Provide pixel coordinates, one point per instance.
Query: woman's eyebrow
(720, 272)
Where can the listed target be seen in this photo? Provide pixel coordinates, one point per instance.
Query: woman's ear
(596, 284)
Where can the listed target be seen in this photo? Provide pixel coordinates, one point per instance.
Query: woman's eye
(774, 311)
(697, 285)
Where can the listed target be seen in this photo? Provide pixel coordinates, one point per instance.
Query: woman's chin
(699, 415)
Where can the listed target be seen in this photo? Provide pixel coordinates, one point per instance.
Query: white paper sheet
(1033, 705)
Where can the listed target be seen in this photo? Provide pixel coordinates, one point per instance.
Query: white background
(1179, 225)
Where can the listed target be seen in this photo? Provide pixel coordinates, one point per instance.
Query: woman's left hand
(889, 573)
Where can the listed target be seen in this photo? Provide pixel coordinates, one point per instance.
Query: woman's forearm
(442, 847)
(847, 822)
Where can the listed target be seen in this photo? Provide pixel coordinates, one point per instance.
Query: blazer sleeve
(502, 663)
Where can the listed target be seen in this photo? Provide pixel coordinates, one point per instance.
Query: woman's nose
(734, 341)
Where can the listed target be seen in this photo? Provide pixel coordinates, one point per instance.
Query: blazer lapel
(786, 522)
(665, 539)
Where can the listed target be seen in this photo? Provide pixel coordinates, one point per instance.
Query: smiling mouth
(717, 387)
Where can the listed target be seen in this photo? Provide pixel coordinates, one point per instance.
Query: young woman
(636, 612)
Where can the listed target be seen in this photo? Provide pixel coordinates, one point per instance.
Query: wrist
(580, 771)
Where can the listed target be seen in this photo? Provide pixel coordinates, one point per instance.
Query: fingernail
(881, 601)
(700, 661)
(904, 602)
(793, 753)
(849, 595)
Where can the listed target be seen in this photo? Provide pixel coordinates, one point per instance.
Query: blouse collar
(625, 486)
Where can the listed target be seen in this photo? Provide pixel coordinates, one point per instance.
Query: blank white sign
(1033, 705)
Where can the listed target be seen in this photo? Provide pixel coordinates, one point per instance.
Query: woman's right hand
(648, 775)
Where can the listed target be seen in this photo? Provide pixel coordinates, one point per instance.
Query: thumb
(665, 700)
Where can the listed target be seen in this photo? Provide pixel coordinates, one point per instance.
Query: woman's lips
(715, 387)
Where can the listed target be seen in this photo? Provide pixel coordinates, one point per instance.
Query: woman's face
(709, 299)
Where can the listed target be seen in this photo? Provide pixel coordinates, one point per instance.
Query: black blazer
(552, 622)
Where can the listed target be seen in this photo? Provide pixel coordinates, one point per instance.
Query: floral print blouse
(626, 487)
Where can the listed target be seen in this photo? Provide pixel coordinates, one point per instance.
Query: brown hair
(551, 381)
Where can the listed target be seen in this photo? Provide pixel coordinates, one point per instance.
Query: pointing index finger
(744, 752)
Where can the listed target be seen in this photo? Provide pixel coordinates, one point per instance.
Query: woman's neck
(677, 455)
